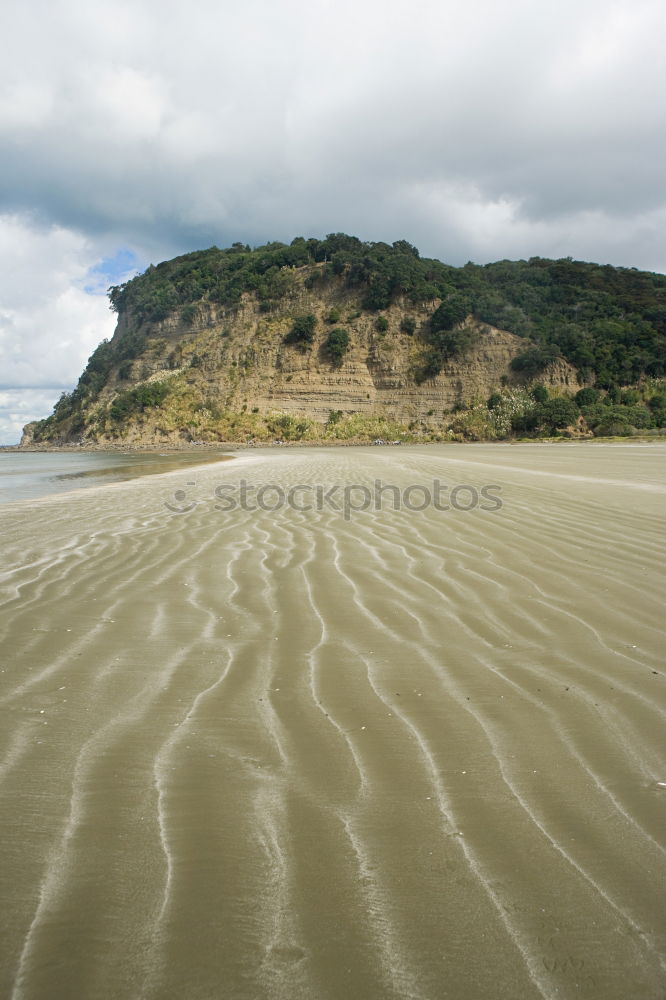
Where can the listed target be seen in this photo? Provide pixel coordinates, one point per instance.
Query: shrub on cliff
(134, 401)
(452, 310)
(302, 331)
(337, 345)
(533, 361)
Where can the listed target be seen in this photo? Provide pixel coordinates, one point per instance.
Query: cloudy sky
(138, 129)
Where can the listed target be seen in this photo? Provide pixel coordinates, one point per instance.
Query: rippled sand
(273, 756)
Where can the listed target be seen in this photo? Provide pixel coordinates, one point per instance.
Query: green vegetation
(609, 323)
(337, 345)
(137, 400)
(535, 413)
(555, 414)
(286, 427)
(188, 314)
(587, 396)
(453, 310)
(534, 360)
(444, 344)
(302, 331)
(590, 410)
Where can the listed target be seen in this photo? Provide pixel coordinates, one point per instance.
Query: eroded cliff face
(235, 360)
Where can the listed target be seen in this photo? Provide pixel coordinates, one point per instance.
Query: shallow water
(260, 754)
(27, 475)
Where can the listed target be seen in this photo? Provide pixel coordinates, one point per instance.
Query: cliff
(329, 339)
(230, 373)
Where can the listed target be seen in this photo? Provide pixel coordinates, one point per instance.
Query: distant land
(343, 340)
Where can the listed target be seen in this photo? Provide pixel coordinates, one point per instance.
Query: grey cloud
(195, 127)
(473, 129)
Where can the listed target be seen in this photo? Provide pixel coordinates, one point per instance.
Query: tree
(453, 310)
(587, 396)
(557, 413)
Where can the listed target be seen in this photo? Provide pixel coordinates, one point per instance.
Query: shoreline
(206, 463)
(233, 446)
(120, 469)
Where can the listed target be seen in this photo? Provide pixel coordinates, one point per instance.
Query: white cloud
(471, 128)
(177, 126)
(19, 407)
(48, 323)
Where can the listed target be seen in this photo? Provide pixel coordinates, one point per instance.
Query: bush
(381, 324)
(595, 414)
(289, 428)
(408, 326)
(430, 366)
(333, 316)
(188, 314)
(613, 428)
(557, 413)
(540, 393)
(640, 417)
(453, 310)
(533, 361)
(450, 343)
(302, 330)
(137, 400)
(337, 345)
(587, 397)
(630, 397)
(524, 423)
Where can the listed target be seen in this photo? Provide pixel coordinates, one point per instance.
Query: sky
(134, 131)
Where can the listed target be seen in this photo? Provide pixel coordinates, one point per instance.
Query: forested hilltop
(248, 337)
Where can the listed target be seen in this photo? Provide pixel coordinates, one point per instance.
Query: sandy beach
(317, 754)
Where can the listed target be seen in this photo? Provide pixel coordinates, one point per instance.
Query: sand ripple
(281, 755)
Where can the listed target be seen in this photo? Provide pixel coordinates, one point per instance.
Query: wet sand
(287, 755)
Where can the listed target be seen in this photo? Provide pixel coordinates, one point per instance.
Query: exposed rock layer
(236, 360)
